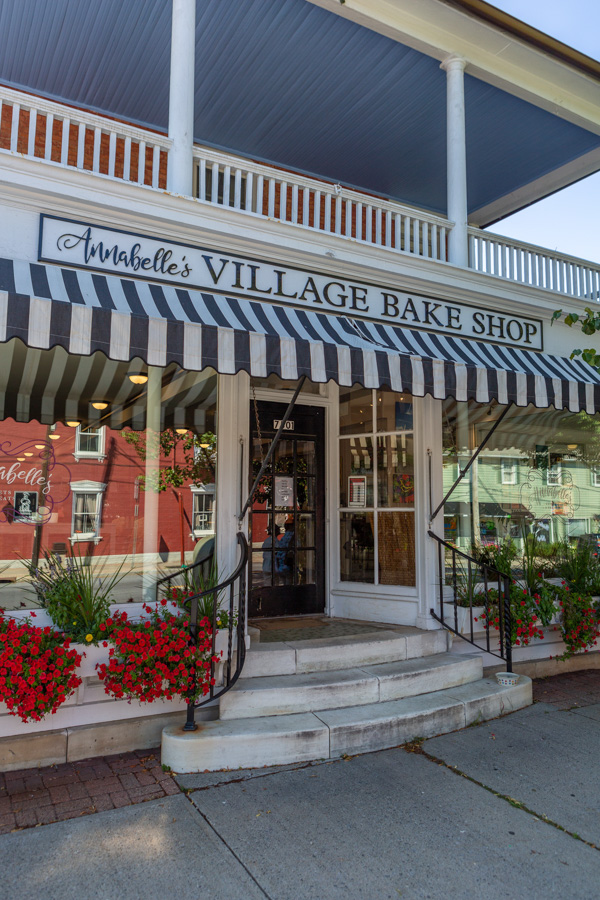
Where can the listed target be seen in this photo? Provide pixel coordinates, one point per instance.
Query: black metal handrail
(231, 672)
(184, 570)
(500, 580)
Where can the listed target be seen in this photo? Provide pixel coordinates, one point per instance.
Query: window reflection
(74, 473)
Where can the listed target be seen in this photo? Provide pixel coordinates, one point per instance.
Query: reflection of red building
(90, 494)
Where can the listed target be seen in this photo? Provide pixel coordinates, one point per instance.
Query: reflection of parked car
(589, 540)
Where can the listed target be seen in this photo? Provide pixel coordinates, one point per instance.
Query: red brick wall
(119, 471)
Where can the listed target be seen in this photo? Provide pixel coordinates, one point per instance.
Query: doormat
(301, 629)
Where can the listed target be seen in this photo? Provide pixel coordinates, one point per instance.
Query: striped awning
(47, 306)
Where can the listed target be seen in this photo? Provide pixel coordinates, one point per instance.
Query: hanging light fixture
(20, 459)
(43, 446)
(55, 437)
(28, 453)
(181, 430)
(99, 404)
(205, 446)
(73, 424)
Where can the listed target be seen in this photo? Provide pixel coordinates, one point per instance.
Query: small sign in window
(284, 492)
(26, 504)
(289, 425)
(357, 491)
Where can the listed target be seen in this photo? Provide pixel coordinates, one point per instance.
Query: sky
(568, 221)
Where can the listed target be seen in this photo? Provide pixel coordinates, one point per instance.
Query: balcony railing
(33, 126)
(73, 138)
(259, 190)
(534, 266)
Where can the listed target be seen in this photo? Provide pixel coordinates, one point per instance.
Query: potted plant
(76, 595)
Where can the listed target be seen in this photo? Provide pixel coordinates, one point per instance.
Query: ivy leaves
(590, 325)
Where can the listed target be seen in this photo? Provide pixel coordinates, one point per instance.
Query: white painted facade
(31, 187)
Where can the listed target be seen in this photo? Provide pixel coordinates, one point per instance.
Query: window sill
(98, 456)
(75, 538)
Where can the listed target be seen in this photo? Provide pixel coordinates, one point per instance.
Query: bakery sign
(108, 250)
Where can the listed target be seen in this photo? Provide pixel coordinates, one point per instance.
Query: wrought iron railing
(229, 666)
(465, 583)
(189, 574)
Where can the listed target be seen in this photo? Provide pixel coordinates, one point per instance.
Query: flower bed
(37, 668)
(153, 659)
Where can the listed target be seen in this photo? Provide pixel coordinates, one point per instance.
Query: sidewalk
(509, 806)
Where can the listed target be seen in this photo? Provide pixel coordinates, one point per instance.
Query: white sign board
(79, 244)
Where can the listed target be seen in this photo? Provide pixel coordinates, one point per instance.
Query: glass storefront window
(94, 464)
(536, 475)
(377, 544)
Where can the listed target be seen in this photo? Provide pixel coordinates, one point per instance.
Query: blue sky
(568, 221)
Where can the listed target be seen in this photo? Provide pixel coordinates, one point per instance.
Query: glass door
(287, 523)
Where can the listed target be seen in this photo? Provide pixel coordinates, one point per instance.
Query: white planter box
(464, 618)
(91, 656)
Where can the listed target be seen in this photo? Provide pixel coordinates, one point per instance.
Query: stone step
(327, 654)
(286, 694)
(279, 740)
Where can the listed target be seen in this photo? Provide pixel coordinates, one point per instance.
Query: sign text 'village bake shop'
(109, 250)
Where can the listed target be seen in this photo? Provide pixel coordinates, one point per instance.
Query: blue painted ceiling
(289, 83)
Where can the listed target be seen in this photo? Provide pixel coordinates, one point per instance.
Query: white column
(181, 97)
(456, 155)
(151, 494)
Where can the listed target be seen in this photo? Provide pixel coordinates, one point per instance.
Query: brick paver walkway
(568, 690)
(31, 797)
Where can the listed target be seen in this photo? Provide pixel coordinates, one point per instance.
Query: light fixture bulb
(100, 404)
(20, 459)
(55, 437)
(572, 446)
(137, 377)
(43, 446)
(205, 446)
(28, 453)
(181, 430)
(73, 424)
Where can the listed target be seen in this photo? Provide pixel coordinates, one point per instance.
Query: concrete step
(327, 654)
(278, 740)
(286, 694)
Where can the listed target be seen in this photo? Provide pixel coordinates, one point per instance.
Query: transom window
(377, 501)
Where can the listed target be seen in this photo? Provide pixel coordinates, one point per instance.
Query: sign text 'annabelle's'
(116, 252)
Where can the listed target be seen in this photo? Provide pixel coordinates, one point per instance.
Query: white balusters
(127, 159)
(31, 134)
(64, 145)
(141, 176)
(80, 145)
(96, 155)
(49, 133)
(14, 133)
(112, 153)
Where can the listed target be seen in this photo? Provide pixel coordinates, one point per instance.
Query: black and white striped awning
(47, 306)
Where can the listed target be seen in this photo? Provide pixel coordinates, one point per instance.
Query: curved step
(278, 740)
(287, 694)
(327, 654)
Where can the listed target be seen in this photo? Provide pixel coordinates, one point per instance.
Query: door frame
(317, 432)
(327, 398)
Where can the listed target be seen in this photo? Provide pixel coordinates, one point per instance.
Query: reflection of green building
(539, 472)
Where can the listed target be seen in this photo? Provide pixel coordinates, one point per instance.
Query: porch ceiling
(292, 84)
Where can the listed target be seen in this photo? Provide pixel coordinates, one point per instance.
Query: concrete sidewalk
(399, 823)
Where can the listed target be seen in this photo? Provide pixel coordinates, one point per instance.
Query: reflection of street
(16, 594)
